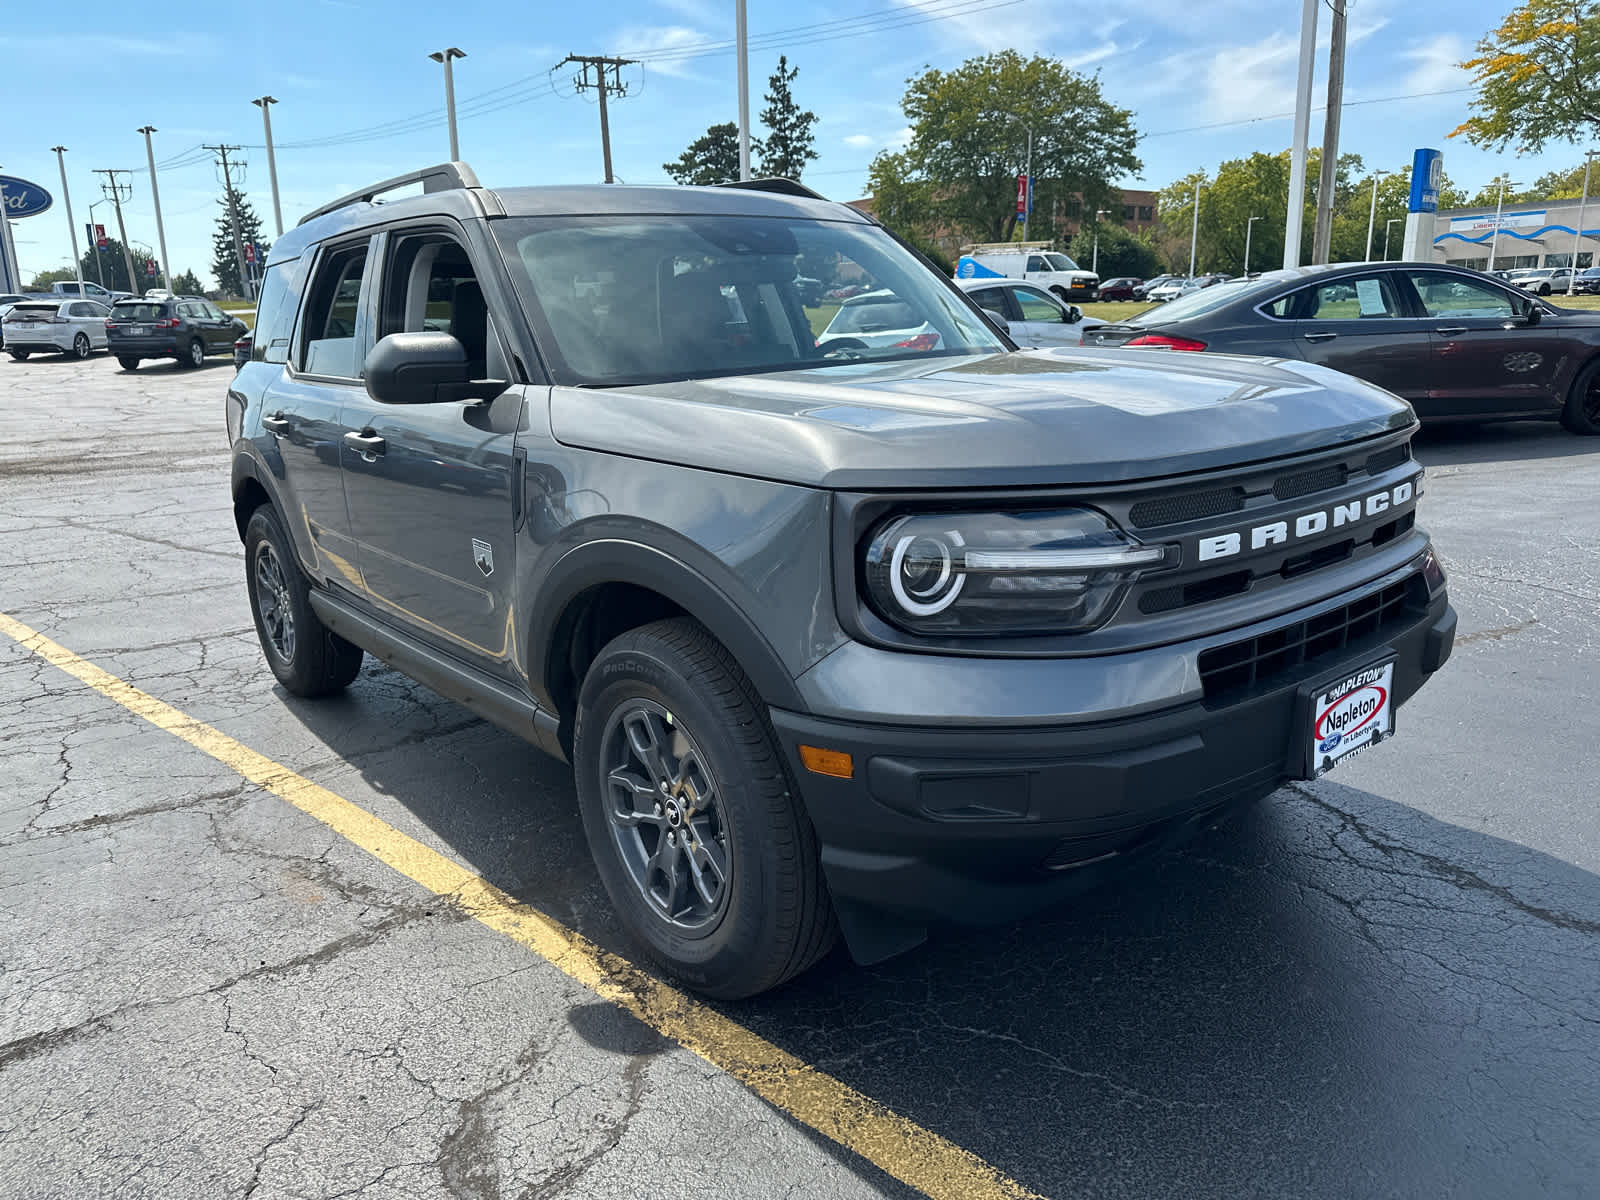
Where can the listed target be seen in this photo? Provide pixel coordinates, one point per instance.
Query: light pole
(446, 57)
(155, 197)
(1194, 230)
(741, 37)
(72, 228)
(264, 104)
(1386, 224)
(1499, 207)
(1098, 213)
(1372, 213)
(94, 238)
(1302, 135)
(1027, 170)
(1248, 228)
(1577, 230)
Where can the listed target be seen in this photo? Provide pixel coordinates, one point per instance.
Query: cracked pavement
(1385, 983)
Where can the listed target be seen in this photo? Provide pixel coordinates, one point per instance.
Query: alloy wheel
(272, 600)
(197, 354)
(666, 816)
(80, 346)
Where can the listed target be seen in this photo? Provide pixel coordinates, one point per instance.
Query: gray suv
(859, 639)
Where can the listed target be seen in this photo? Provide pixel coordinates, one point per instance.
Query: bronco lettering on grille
(1310, 524)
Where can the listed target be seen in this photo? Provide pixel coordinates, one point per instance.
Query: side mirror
(998, 321)
(1072, 316)
(1535, 314)
(424, 368)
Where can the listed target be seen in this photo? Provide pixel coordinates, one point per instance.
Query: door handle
(276, 424)
(368, 445)
(1451, 330)
(1320, 337)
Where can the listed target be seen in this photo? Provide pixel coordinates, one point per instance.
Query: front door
(1362, 326)
(1487, 359)
(1041, 320)
(429, 486)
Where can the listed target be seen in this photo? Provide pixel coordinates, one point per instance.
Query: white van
(1033, 261)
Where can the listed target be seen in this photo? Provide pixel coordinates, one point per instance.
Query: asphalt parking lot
(1383, 984)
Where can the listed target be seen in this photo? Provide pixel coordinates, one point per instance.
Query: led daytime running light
(1059, 560)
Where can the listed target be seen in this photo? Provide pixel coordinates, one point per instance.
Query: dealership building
(1530, 235)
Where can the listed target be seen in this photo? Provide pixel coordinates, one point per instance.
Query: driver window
(1035, 263)
(1036, 306)
(328, 344)
(1454, 296)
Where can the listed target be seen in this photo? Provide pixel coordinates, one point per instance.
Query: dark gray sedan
(1457, 344)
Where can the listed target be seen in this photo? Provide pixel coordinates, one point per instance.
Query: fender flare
(619, 561)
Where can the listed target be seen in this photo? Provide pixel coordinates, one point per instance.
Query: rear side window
(139, 311)
(1350, 300)
(276, 308)
(328, 333)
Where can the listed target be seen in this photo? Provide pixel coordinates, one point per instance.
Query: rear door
(1487, 359)
(429, 487)
(1364, 325)
(1042, 319)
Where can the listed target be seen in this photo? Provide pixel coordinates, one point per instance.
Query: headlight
(998, 574)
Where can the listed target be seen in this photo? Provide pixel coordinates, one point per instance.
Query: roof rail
(784, 187)
(433, 179)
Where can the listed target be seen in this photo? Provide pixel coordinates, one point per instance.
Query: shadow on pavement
(1330, 995)
(1511, 441)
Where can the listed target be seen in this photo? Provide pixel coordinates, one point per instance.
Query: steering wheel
(844, 348)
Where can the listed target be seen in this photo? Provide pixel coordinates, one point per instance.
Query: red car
(1119, 289)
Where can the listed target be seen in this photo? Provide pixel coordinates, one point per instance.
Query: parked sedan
(1034, 316)
(1457, 344)
(187, 329)
(1143, 290)
(1587, 282)
(51, 324)
(1119, 289)
(1543, 281)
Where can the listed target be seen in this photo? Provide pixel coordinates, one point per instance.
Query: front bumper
(971, 824)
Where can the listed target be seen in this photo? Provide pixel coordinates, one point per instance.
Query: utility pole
(612, 82)
(118, 192)
(1372, 212)
(741, 37)
(272, 163)
(72, 228)
(1577, 232)
(155, 196)
(233, 215)
(1194, 230)
(1322, 234)
(1249, 227)
(1302, 133)
(438, 56)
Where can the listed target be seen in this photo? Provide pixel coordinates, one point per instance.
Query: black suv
(186, 328)
(854, 639)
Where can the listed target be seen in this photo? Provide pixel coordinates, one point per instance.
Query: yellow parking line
(900, 1147)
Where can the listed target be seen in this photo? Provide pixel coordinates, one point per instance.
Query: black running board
(489, 698)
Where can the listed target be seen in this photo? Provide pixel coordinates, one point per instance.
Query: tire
(128, 363)
(1544, 289)
(196, 357)
(80, 347)
(20, 355)
(672, 686)
(307, 658)
(1581, 414)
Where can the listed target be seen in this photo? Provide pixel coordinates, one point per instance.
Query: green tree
(901, 198)
(1122, 252)
(224, 262)
(709, 160)
(112, 267)
(970, 131)
(1538, 77)
(787, 147)
(42, 281)
(188, 284)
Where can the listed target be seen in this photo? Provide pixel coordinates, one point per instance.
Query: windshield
(1060, 262)
(1200, 301)
(647, 299)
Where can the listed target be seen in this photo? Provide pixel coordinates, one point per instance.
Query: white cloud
(859, 140)
(701, 12)
(1025, 28)
(651, 42)
(1434, 66)
(1254, 80)
(83, 47)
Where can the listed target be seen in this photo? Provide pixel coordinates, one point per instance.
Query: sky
(360, 101)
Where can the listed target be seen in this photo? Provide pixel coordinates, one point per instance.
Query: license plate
(138, 330)
(1346, 714)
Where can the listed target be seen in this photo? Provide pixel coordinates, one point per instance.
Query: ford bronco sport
(859, 640)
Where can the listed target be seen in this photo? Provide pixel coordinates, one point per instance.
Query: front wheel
(1582, 411)
(698, 835)
(307, 657)
(1544, 289)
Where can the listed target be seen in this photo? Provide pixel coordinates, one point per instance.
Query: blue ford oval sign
(23, 199)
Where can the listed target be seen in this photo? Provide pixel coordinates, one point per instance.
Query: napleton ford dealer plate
(1349, 714)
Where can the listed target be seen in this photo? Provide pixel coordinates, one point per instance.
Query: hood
(1032, 418)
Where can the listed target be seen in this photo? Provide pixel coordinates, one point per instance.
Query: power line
(1288, 115)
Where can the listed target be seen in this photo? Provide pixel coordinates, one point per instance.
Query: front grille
(1191, 506)
(1289, 486)
(1296, 650)
(1387, 460)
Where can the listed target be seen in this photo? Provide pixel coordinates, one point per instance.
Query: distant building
(1531, 235)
